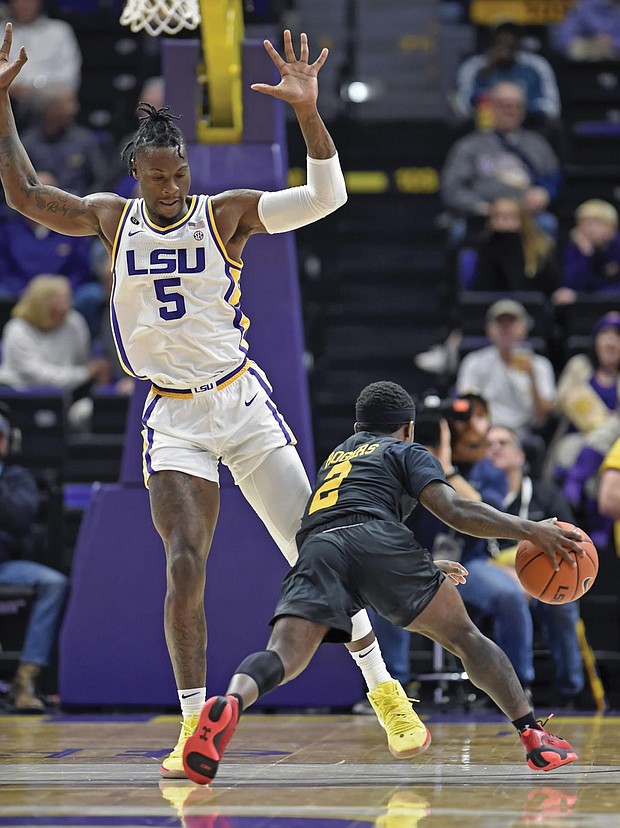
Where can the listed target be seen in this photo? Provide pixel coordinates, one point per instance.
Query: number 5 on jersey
(327, 494)
(170, 298)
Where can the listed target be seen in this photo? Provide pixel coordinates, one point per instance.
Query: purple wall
(112, 648)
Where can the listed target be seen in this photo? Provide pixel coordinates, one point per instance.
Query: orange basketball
(567, 584)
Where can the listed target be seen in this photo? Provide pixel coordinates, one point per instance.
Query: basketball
(567, 584)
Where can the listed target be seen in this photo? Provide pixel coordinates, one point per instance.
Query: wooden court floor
(304, 771)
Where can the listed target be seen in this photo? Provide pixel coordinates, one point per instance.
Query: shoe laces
(188, 726)
(399, 715)
(543, 722)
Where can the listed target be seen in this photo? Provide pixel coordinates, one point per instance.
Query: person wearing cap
(19, 507)
(588, 397)
(592, 253)
(518, 384)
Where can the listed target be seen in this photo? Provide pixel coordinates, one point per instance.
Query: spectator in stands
(532, 499)
(588, 395)
(55, 142)
(46, 343)
(589, 389)
(592, 254)
(518, 384)
(507, 161)
(609, 490)
(27, 249)
(490, 589)
(590, 31)
(54, 57)
(513, 254)
(504, 60)
(19, 508)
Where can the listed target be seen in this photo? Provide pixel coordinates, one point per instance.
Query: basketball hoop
(160, 16)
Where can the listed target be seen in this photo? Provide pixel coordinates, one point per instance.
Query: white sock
(191, 700)
(371, 663)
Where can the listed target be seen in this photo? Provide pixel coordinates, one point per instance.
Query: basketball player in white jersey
(176, 263)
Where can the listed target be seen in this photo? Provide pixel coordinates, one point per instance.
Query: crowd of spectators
(543, 386)
(500, 186)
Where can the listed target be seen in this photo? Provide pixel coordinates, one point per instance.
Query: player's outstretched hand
(298, 84)
(9, 71)
(454, 570)
(556, 541)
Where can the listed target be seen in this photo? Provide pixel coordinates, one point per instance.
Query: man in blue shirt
(505, 61)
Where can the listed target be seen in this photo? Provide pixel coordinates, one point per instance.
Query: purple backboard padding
(112, 649)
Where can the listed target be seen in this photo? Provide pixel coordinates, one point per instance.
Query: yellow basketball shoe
(172, 766)
(406, 734)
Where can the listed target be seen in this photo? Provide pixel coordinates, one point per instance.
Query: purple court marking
(173, 822)
(99, 718)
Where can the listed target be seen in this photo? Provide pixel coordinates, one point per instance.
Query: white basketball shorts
(237, 424)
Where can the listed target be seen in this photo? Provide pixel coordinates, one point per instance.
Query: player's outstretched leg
(292, 644)
(204, 749)
(446, 621)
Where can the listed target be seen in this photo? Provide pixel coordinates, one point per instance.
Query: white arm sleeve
(324, 191)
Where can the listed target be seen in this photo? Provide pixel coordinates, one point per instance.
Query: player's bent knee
(265, 668)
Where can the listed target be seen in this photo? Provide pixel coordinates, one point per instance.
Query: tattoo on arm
(49, 200)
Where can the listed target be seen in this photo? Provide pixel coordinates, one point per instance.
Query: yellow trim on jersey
(120, 225)
(218, 238)
(186, 217)
(187, 394)
(234, 377)
(235, 296)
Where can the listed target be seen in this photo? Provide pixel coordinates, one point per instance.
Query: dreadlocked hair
(157, 129)
(387, 396)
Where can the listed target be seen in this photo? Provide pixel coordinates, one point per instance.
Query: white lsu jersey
(174, 307)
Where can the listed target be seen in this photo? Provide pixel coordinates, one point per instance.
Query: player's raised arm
(325, 191)
(54, 208)
(299, 87)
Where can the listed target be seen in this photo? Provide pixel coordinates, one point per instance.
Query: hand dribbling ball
(540, 580)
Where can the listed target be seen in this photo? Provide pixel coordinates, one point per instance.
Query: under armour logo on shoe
(204, 736)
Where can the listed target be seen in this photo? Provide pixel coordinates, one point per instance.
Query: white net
(160, 16)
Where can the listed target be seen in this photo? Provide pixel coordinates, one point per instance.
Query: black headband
(378, 416)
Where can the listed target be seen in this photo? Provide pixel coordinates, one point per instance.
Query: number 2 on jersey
(327, 494)
(170, 298)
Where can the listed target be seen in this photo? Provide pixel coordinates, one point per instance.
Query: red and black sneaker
(203, 750)
(544, 751)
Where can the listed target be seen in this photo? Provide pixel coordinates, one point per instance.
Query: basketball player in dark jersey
(355, 551)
